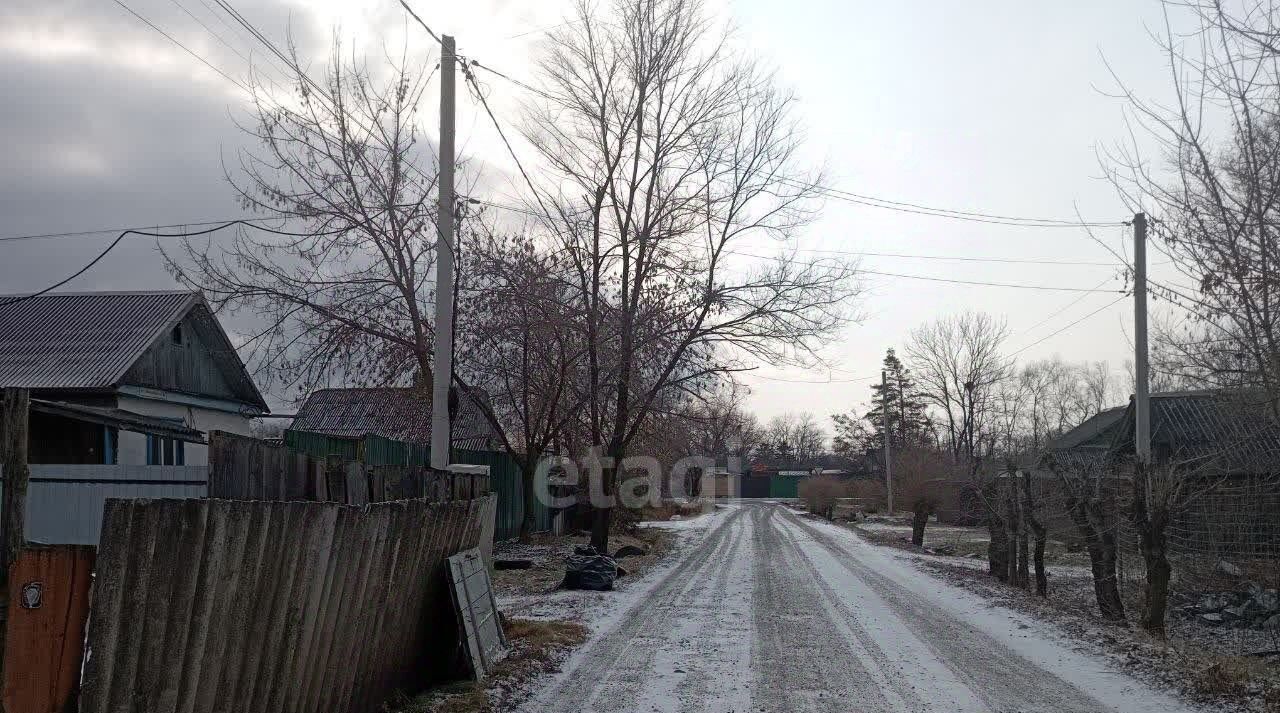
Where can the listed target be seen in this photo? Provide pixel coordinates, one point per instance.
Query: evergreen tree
(909, 423)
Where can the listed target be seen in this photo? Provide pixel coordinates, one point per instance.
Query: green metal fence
(784, 486)
(504, 471)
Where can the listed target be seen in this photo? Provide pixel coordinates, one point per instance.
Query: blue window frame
(110, 445)
(165, 451)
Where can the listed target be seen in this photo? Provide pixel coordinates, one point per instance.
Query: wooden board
(47, 613)
(483, 639)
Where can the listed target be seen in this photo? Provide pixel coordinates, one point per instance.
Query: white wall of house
(133, 446)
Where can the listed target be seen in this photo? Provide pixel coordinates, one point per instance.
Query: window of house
(176, 334)
(110, 445)
(165, 451)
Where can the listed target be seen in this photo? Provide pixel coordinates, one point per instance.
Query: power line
(812, 381)
(1011, 261)
(430, 31)
(1046, 288)
(188, 50)
(1069, 326)
(539, 30)
(1064, 308)
(192, 224)
(920, 209)
(149, 233)
(471, 82)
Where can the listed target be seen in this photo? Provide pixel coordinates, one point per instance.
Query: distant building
(397, 413)
(127, 378)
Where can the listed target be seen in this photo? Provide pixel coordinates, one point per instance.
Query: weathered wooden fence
(243, 468)
(267, 606)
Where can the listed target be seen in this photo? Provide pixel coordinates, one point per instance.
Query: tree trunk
(919, 519)
(602, 517)
(1041, 534)
(1024, 560)
(529, 521)
(1152, 521)
(1101, 546)
(998, 550)
(1017, 534)
(1042, 579)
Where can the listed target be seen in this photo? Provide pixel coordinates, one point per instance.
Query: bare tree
(958, 369)
(343, 293)
(663, 148)
(1090, 493)
(523, 354)
(1216, 194)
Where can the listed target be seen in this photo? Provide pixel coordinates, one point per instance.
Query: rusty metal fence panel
(272, 606)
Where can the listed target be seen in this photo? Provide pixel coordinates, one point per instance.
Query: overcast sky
(996, 107)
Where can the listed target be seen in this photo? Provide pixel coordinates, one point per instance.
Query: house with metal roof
(1220, 431)
(395, 413)
(127, 378)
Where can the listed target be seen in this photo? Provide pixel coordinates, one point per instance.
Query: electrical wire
(1069, 326)
(186, 49)
(921, 209)
(200, 223)
(470, 79)
(148, 233)
(1046, 288)
(430, 31)
(812, 381)
(956, 258)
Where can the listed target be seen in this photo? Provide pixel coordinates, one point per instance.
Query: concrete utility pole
(884, 415)
(442, 371)
(1141, 389)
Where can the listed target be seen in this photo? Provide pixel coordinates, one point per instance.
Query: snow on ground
(600, 610)
(763, 610)
(1039, 643)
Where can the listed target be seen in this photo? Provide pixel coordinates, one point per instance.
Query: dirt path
(771, 612)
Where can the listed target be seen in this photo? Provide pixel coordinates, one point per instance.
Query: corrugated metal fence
(271, 606)
(64, 502)
(504, 471)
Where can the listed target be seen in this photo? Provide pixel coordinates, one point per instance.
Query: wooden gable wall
(188, 367)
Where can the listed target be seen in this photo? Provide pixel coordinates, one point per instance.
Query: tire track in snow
(1001, 678)
(613, 670)
(802, 662)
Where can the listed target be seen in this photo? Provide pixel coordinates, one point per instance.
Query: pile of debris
(1252, 607)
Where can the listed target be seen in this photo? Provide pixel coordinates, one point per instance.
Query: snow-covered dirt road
(772, 612)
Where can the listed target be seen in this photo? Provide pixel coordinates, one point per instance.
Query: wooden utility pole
(442, 362)
(1141, 387)
(884, 415)
(13, 456)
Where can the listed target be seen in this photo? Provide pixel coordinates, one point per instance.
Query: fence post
(335, 479)
(13, 449)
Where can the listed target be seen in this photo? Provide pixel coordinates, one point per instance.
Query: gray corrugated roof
(88, 340)
(1095, 432)
(398, 413)
(1223, 431)
(82, 340)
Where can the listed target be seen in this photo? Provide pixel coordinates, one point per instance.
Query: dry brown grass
(820, 494)
(536, 646)
(667, 509)
(1227, 675)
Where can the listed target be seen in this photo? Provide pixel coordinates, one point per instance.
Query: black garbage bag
(586, 568)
